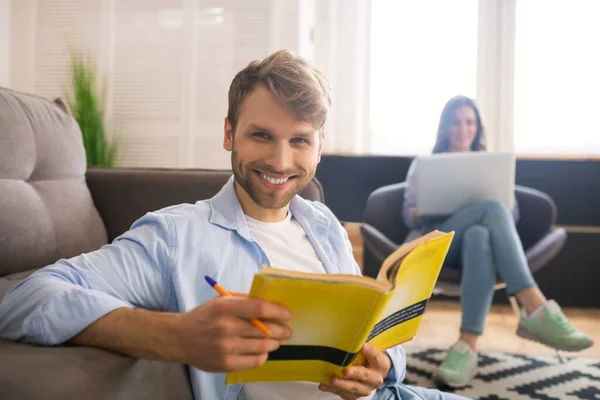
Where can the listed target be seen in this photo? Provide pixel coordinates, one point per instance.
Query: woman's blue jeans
(485, 245)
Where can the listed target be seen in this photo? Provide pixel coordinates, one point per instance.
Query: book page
(359, 280)
(390, 265)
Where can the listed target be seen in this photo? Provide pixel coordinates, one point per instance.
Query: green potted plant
(86, 101)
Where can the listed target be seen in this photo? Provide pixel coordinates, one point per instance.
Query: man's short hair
(300, 87)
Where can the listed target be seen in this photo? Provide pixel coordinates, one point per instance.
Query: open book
(333, 315)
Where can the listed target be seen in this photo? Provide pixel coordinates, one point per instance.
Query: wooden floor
(442, 320)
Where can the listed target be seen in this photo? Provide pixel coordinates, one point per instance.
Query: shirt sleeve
(396, 375)
(58, 301)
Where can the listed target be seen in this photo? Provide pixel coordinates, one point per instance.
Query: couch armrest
(122, 195)
(31, 372)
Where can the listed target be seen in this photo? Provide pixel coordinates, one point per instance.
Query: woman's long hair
(442, 144)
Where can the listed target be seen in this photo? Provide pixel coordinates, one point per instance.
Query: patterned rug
(503, 376)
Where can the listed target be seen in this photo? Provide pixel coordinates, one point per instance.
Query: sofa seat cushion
(46, 210)
(10, 280)
(5, 286)
(30, 372)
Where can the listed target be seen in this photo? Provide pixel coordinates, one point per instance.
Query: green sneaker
(459, 366)
(552, 328)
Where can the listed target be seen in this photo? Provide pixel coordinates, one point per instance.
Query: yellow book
(333, 315)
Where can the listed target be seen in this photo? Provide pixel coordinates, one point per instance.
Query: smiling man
(144, 295)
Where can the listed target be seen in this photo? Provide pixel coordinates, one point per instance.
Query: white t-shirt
(287, 247)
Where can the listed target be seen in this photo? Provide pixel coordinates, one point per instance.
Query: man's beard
(263, 197)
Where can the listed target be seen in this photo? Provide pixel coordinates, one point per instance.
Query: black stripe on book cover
(321, 353)
(408, 313)
(341, 357)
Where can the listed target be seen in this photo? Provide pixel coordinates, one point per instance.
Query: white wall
(5, 18)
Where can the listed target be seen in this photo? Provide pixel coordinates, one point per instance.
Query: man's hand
(361, 381)
(217, 336)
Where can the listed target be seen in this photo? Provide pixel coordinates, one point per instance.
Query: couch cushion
(5, 286)
(122, 195)
(10, 280)
(31, 372)
(46, 211)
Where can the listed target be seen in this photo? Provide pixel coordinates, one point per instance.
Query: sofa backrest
(46, 210)
(122, 195)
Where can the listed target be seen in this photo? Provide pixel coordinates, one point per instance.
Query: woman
(486, 244)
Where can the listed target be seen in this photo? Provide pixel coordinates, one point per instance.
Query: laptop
(448, 182)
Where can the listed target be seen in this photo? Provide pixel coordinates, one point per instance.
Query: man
(144, 295)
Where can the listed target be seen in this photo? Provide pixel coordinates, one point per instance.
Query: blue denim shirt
(160, 264)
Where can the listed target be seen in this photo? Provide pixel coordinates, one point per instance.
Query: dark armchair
(383, 231)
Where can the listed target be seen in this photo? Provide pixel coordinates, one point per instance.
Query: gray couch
(52, 207)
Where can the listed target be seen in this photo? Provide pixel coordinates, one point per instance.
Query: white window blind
(227, 35)
(5, 33)
(60, 25)
(167, 65)
(147, 80)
